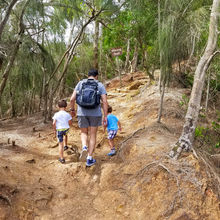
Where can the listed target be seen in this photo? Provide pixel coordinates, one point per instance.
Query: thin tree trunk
(96, 43)
(7, 14)
(135, 57)
(159, 39)
(32, 99)
(53, 91)
(106, 66)
(186, 139)
(127, 56)
(13, 112)
(63, 82)
(207, 92)
(161, 103)
(192, 51)
(101, 54)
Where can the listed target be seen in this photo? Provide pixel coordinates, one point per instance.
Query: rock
(31, 161)
(135, 85)
(62, 196)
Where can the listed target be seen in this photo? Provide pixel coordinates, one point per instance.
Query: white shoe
(83, 154)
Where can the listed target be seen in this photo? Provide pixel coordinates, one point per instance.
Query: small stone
(31, 161)
(63, 196)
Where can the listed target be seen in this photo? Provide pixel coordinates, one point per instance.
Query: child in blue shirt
(113, 124)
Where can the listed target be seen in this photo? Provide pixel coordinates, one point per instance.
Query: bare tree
(14, 52)
(8, 12)
(187, 137)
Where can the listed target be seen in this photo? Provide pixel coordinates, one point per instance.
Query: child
(112, 127)
(61, 124)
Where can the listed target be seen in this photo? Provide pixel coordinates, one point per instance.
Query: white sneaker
(83, 154)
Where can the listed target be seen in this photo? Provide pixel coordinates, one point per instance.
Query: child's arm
(119, 125)
(70, 122)
(54, 127)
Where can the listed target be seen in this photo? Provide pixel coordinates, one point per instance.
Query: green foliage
(209, 137)
(217, 145)
(216, 124)
(135, 22)
(199, 131)
(216, 127)
(189, 79)
(184, 101)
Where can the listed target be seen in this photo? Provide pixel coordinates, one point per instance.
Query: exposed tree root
(6, 199)
(210, 171)
(121, 145)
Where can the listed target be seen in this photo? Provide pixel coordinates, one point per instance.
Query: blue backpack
(88, 95)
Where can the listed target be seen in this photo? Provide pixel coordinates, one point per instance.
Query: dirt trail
(140, 182)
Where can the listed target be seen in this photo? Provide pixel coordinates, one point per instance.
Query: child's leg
(61, 150)
(60, 135)
(65, 140)
(111, 143)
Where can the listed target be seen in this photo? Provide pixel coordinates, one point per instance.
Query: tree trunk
(8, 12)
(96, 45)
(62, 92)
(13, 112)
(127, 56)
(159, 39)
(187, 137)
(161, 102)
(32, 98)
(10, 64)
(207, 92)
(135, 58)
(14, 52)
(101, 54)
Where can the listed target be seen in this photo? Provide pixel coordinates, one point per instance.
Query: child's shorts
(61, 133)
(112, 134)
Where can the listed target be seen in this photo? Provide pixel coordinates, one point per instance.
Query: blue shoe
(65, 148)
(83, 154)
(91, 162)
(62, 160)
(112, 153)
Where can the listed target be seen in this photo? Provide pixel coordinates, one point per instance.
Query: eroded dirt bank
(140, 182)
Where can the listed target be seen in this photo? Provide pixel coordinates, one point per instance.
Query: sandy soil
(140, 182)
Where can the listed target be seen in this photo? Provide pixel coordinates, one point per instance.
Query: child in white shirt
(61, 124)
